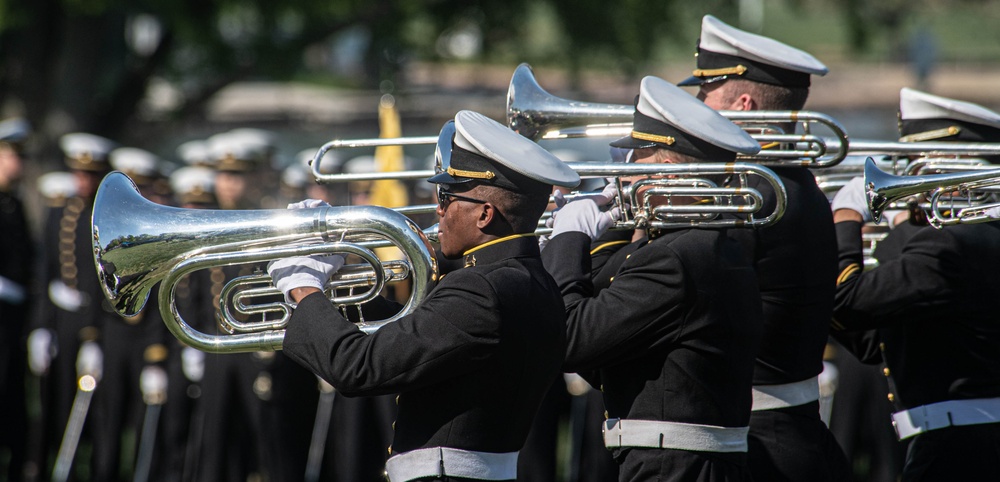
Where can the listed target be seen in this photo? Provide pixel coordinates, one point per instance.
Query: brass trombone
(138, 243)
(883, 188)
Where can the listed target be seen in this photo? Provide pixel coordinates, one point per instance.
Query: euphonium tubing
(138, 243)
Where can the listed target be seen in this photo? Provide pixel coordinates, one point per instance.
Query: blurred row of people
(192, 416)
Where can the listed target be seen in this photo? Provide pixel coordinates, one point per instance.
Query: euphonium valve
(138, 243)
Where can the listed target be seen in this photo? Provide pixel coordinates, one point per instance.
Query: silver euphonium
(882, 189)
(666, 182)
(138, 243)
(537, 114)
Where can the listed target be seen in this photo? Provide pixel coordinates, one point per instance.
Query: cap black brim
(629, 142)
(691, 81)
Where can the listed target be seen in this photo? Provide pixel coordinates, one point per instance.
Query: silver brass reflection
(138, 243)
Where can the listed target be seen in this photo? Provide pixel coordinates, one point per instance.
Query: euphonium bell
(138, 243)
(883, 188)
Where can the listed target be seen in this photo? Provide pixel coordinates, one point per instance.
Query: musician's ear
(487, 213)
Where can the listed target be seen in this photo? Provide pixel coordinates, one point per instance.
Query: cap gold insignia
(642, 136)
(931, 135)
(738, 70)
(471, 174)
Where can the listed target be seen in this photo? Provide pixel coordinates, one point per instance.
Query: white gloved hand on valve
(90, 360)
(193, 363)
(584, 216)
(39, 351)
(308, 203)
(153, 384)
(603, 198)
(852, 196)
(992, 213)
(303, 271)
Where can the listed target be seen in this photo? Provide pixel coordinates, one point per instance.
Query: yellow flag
(389, 193)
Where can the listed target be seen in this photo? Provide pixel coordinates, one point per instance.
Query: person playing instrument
(671, 318)
(473, 360)
(794, 260)
(926, 312)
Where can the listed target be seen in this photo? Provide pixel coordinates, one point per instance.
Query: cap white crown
(719, 37)
(914, 104)
(134, 160)
(57, 184)
(77, 144)
(480, 134)
(194, 152)
(191, 178)
(671, 105)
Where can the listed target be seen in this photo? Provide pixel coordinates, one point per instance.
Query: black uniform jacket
(674, 333)
(933, 308)
(472, 362)
(796, 265)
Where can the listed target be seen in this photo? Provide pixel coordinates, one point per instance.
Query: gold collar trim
(498, 241)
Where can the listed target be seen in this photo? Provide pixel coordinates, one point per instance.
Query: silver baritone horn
(138, 243)
(651, 200)
(537, 114)
(883, 189)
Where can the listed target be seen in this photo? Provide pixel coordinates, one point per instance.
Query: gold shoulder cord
(67, 241)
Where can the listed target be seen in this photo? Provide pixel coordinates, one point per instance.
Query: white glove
(11, 292)
(308, 203)
(993, 213)
(603, 198)
(303, 271)
(153, 384)
(90, 360)
(40, 351)
(852, 196)
(193, 363)
(584, 216)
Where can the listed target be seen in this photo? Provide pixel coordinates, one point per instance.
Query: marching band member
(671, 320)
(794, 260)
(926, 312)
(71, 317)
(473, 361)
(18, 250)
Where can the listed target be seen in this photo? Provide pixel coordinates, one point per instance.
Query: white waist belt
(770, 397)
(445, 461)
(655, 434)
(933, 416)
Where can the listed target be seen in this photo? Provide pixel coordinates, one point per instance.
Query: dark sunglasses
(444, 195)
